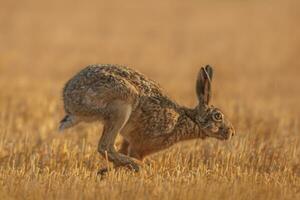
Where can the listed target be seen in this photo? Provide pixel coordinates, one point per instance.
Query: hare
(129, 103)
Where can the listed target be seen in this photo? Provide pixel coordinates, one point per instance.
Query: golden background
(253, 45)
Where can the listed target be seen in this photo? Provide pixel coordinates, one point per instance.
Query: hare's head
(210, 119)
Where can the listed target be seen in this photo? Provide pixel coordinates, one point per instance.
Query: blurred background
(254, 46)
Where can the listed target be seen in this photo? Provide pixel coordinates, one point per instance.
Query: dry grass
(254, 45)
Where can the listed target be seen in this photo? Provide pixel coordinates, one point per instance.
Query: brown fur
(129, 103)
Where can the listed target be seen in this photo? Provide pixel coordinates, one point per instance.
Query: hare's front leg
(118, 114)
(128, 149)
(124, 147)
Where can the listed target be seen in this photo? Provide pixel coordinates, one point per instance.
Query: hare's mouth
(227, 137)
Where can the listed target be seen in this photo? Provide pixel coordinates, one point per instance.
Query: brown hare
(129, 103)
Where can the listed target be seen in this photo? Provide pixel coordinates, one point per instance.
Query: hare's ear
(203, 85)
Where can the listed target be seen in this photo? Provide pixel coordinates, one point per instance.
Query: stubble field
(253, 45)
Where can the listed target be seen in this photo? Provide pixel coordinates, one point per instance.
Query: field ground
(254, 46)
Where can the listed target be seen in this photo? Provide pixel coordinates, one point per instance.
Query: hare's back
(95, 86)
(143, 84)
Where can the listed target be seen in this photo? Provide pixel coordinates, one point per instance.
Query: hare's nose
(231, 131)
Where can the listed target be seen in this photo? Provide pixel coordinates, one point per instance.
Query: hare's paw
(102, 171)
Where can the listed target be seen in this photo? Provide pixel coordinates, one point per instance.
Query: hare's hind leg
(124, 149)
(118, 114)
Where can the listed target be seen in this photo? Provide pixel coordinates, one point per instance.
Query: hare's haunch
(129, 103)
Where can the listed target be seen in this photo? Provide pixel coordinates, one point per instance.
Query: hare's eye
(217, 116)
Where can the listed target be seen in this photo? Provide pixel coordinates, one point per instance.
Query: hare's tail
(67, 122)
